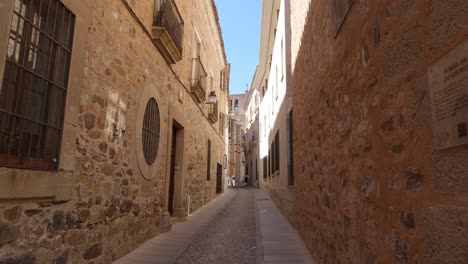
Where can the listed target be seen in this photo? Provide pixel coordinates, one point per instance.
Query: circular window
(150, 132)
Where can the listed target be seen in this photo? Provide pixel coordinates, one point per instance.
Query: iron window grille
(150, 131)
(169, 17)
(35, 81)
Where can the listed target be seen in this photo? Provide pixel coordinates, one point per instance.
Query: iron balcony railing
(198, 80)
(169, 17)
(213, 113)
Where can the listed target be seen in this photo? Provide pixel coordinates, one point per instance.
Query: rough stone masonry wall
(113, 208)
(370, 187)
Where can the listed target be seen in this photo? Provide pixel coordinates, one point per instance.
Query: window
(340, 9)
(256, 169)
(224, 78)
(208, 161)
(272, 158)
(277, 152)
(151, 131)
(282, 60)
(272, 100)
(35, 81)
(291, 156)
(276, 82)
(222, 122)
(236, 105)
(221, 80)
(265, 167)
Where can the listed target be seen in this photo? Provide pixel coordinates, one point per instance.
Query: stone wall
(113, 207)
(370, 186)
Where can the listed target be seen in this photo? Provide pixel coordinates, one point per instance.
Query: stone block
(13, 214)
(8, 233)
(445, 232)
(450, 168)
(93, 252)
(21, 259)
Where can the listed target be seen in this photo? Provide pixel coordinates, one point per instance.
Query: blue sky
(240, 23)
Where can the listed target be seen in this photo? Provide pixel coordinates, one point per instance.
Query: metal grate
(34, 88)
(151, 131)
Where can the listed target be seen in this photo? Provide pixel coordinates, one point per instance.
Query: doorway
(176, 170)
(173, 171)
(219, 178)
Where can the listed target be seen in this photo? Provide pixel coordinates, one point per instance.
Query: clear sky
(240, 23)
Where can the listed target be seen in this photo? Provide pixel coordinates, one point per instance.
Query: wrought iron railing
(199, 74)
(213, 113)
(169, 17)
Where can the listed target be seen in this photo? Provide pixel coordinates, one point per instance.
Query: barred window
(151, 131)
(34, 87)
(277, 152)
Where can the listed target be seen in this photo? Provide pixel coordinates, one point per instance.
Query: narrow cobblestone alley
(230, 238)
(241, 226)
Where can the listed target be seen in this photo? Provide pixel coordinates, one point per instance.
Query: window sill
(19, 184)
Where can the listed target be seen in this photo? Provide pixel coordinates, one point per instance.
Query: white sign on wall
(448, 86)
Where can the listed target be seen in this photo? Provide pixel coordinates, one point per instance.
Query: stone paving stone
(231, 238)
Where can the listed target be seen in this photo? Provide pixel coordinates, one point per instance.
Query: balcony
(168, 31)
(213, 113)
(198, 83)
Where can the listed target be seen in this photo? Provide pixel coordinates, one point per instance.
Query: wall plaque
(448, 86)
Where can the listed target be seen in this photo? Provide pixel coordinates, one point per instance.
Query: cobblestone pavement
(230, 238)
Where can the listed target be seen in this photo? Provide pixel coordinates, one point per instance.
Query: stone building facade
(373, 184)
(136, 144)
(276, 108)
(251, 131)
(236, 130)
